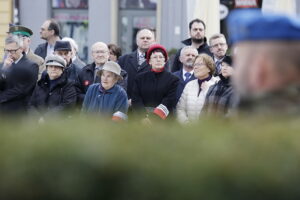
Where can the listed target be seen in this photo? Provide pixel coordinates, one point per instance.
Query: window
(72, 16)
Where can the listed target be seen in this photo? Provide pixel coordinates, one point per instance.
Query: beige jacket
(190, 103)
(38, 60)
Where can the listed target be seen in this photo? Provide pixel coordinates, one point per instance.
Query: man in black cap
(64, 49)
(18, 77)
(267, 62)
(50, 32)
(25, 33)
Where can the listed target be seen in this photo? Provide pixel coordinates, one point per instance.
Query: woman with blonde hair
(193, 96)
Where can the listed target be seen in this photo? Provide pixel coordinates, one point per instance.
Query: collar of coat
(110, 91)
(188, 42)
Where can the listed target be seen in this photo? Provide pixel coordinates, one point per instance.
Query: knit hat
(155, 47)
(55, 60)
(111, 67)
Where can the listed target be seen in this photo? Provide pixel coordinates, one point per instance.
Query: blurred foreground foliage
(96, 159)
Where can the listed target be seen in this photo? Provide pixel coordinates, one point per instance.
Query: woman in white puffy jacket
(193, 96)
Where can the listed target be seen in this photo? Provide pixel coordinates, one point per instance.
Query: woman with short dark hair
(114, 52)
(154, 92)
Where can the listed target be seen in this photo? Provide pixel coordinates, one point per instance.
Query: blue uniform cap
(253, 25)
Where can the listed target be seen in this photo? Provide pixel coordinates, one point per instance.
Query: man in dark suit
(135, 62)
(49, 32)
(218, 47)
(186, 73)
(25, 33)
(18, 77)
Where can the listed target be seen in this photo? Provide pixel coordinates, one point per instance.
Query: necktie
(187, 76)
(96, 72)
(141, 58)
(218, 67)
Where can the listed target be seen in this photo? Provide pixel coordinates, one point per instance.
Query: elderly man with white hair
(186, 73)
(88, 74)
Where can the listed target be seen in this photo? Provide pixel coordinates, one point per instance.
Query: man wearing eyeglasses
(218, 47)
(25, 33)
(88, 74)
(18, 77)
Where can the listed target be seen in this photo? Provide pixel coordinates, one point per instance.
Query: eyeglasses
(12, 51)
(220, 44)
(157, 57)
(199, 64)
(99, 52)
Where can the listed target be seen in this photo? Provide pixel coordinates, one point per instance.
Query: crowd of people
(201, 79)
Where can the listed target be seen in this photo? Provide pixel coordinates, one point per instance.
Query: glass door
(133, 15)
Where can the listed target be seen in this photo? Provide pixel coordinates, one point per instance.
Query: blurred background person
(154, 92)
(220, 98)
(75, 58)
(107, 98)
(114, 52)
(218, 47)
(193, 96)
(267, 62)
(54, 93)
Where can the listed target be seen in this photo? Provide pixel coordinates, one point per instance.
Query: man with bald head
(135, 62)
(88, 74)
(25, 33)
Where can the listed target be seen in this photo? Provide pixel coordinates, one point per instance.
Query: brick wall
(5, 19)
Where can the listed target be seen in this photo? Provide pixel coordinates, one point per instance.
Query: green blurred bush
(95, 159)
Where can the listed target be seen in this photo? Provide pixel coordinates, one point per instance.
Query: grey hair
(186, 48)
(102, 44)
(14, 39)
(216, 36)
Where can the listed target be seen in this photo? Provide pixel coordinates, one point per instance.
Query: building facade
(117, 21)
